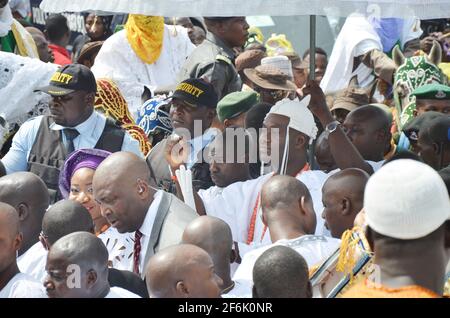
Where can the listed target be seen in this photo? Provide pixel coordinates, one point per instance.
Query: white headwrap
(300, 119)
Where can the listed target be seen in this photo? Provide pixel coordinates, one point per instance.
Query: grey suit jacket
(170, 221)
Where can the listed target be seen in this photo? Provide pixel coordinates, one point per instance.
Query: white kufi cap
(406, 200)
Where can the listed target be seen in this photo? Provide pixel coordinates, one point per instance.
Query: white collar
(146, 227)
(85, 127)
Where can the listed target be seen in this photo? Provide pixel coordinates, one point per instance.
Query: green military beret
(432, 91)
(234, 104)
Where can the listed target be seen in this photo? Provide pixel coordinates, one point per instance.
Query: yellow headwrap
(145, 35)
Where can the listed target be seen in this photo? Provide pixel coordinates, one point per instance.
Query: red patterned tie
(137, 251)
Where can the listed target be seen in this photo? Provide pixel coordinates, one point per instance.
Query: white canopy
(424, 9)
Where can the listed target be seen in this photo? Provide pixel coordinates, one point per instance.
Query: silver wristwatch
(331, 127)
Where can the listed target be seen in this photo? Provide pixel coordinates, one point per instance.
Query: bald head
(281, 272)
(66, 217)
(350, 182)
(35, 31)
(121, 185)
(286, 202)
(123, 167)
(213, 235)
(79, 255)
(183, 270)
(30, 207)
(83, 249)
(13, 187)
(9, 220)
(282, 192)
(10, 239)
(368, 128)
(373, 115)
(342, 196)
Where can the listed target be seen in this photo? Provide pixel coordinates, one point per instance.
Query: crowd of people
(191, 158)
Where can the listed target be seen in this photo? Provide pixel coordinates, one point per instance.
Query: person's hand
(318, 103)
(3, 3)
(176, 151)
(427, 43)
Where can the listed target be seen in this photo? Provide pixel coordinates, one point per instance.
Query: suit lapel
(163, 209)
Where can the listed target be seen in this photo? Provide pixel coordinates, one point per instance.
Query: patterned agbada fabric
(145, 35)
(110, 101)
(368, 289)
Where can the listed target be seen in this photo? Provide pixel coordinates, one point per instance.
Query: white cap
(280, 62)
(301, 118)
(406, 200)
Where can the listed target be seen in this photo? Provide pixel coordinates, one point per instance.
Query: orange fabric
(102, 230)
(368, 289)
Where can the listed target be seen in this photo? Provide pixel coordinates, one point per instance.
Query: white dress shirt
(23, 286)
(89, 133)
(33, 261)
(198, 144)
(314, 249)
(235, 204)
(146, 230)
(117, 292)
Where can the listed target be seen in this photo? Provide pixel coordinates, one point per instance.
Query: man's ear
(254, 292)
(233, 256)
(264, 220)
(142, 188)
(436, 148)
(300, 141)
(90, 98)
(182, 289)
(303, 205)
(309, 291)
(18, 241)
(23, 211)
(369, 236)
(447, 234)
(211, 113)
(346, 206)
(91, 278)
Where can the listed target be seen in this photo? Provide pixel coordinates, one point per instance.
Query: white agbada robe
(357, 37)
(33, 261)
(117, 61)
(117, 292)
(23, 286)
(314, 249)
(235, 204)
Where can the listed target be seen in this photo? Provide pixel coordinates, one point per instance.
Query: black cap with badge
(70, 78)
(196, 92)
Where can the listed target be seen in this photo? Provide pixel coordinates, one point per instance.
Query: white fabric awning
(424, 9)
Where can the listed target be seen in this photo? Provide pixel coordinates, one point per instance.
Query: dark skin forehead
(127, 168)
(276, 121)
(439, 104)
(14, 185)
(346, 182)
(368, 116)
